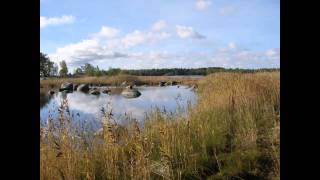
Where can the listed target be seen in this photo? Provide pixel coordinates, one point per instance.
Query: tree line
(49, 68)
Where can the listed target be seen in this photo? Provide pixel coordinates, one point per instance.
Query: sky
(143, 34)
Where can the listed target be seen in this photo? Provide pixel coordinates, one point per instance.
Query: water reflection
(86, 107)
(44, 99)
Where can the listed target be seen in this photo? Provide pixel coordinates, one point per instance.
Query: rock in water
(75, 86)
(106, 91)
(51, 92)
(162, 83)
(173, 83)
(130, 93)
(66, 86)
(83, 88)
(94, 92)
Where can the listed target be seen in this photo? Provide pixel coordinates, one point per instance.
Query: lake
(88, 108)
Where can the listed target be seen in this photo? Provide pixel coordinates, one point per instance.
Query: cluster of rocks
(168, 83)
(85, 88)
(128, 92)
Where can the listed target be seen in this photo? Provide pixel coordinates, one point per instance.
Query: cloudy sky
(135, 34)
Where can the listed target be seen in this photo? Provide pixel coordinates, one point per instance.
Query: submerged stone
(106, 91)
(66, 86)
(130, 93)
(75, 86)
(83, 88)
(94, 92)
(51, 92)
(162, 83)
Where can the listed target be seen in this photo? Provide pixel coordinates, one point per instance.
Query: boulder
(130, 93)
(83, 88)
(51, 92)
(162, 83)
(66, 86)
(94, 92)
(75, 86)
(173, 83)
(106, 91)
(129, 87)
(168, 83)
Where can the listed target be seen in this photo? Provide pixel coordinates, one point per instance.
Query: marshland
(224, 125)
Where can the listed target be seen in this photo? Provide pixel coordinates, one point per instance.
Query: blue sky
(134, 34)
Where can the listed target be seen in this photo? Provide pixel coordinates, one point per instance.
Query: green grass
(232, 133)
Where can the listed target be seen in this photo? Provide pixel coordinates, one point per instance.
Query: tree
(63, 69)
(78, 71)
(47, 67)
(54, 70)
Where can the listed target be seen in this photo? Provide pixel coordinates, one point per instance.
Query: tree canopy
(63, 69)
(47, 67)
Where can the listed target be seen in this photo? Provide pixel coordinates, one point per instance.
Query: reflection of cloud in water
(151, 97)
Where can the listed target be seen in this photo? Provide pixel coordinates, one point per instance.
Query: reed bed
(115, 80)
(232, 133)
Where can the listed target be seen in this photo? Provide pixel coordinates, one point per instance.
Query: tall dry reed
(232, 133)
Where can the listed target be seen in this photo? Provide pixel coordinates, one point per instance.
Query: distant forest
(90, 70)
(193, 71)
(49, 68)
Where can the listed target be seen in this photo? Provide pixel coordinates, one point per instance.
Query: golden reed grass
(232, 133)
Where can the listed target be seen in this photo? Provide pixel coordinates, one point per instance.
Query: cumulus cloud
(232, 45)
(53, 21)
(159, 25)
(227, 10)
(134, 38)
(106, 33)
(202, 4)
(106, 44)
(86, 51)
(110, 48)
(138, 37)
(188, 32)
(235, 57)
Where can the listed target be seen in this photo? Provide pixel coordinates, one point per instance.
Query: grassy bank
(233, 133)
(114, 80)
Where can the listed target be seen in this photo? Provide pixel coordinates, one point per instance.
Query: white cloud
(188, 32)
(107, 33)
(45, 21)
(239, 58)
(133, 39)
(134, 51)
(273, 52)
(138, 37)
(105, 45)
(159, 25)
(202, 4)
(85, 51)
(227, 10)
(232, 45)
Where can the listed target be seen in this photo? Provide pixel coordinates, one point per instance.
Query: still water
(86, 107)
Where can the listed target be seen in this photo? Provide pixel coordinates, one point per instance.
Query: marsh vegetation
(233, 132)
